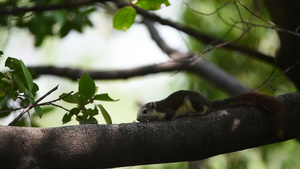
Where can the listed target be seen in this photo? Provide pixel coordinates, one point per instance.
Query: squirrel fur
(187, 103)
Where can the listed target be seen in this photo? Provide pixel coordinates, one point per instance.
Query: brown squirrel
(185, 103)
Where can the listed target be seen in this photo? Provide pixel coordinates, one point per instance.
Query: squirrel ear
(152, 105)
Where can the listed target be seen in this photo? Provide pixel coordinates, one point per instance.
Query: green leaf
(75, 110)
(28, 76)
(39, 111)
(92, 112)
(105, 114)
(93, 120)
(19, 83)
(67, 118)
(81, 100)
(65, 29)
(87, 86)
(1, 53)
(76, 98)
(35, 88)
(47, 109)
(104, 97)
(14, 95)
(12, 63)
(68, 99)
(5, 85)
(124, 18)
(90, 120)
(83, 116)
(152, 4)
(2, 94)
(2, 75)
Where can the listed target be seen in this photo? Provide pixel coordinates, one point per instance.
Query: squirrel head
(147, 112)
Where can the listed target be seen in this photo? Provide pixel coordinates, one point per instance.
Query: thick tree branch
(183, 139)
(202, 68)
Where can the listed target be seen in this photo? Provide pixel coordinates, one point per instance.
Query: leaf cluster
(125, 17)
(17, 85)
(43, 24)
(85, 96)
(60, 22)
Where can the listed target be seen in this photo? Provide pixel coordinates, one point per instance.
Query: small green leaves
(104, 97)
(152, 4)
(28, 77)
(105, 114)
(38, 111)
(18, 83)
(21, 76)
(67, 118)
(83, 98)
(87, 86)
(124, 18)
(68, 99)
(12, 63)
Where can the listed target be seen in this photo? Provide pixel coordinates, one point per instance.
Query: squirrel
(187, 103)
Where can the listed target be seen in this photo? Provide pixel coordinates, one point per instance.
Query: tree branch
(203, 37)
(74, 73)
(196, 34)
(66, 5)
(202, 68)
(32, 105)
(182, 139)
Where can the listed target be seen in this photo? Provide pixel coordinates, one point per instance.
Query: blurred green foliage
(49, 23)
(225, 24)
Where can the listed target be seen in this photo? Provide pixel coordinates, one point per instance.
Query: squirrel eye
(145, 111)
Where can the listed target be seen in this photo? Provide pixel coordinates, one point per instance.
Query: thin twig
(239, 12)
(228, 24)
(283, 72)
(20, 115)
(202, 13)
(31, 106)
(268, 78)
(45, 95)
(6, 91)
(6, 111)
(278, 28)
(59, 106)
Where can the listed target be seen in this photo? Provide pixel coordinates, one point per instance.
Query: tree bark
(182, 139)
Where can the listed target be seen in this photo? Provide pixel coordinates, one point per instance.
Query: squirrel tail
(276, 108)
(266, 102)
